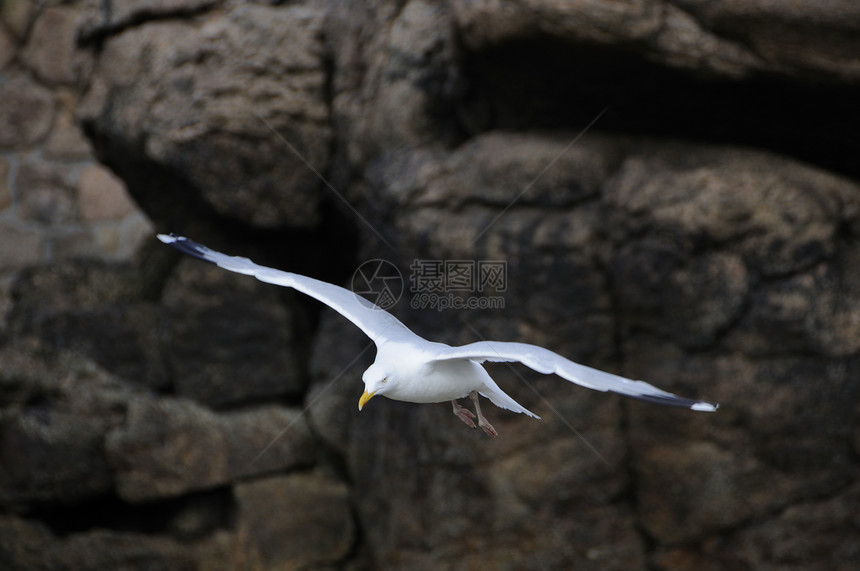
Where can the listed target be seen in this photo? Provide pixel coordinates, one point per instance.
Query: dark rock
(499, 169)
(230, 338)
(26, 544)
(782, 435)
(341, 354)
(122, 338)
(103, 549)
(52, 456)
(816, 311)
(201, 515)
(405, 95)
(115, 15)
(809, 535)
(94, 309)
(169, 447)
(652, 278)
(73, 287)
(52, 428)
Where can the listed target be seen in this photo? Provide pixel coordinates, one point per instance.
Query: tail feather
(502, 400)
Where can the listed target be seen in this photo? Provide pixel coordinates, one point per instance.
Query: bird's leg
(482, 422)
(463, 414)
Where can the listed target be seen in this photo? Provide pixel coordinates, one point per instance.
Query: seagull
(412, 369)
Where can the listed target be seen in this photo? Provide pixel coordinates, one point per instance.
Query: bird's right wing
(374, 321)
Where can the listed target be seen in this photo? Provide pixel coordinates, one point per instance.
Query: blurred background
(671, 187)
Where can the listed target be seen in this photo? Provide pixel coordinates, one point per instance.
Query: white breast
(439, 381)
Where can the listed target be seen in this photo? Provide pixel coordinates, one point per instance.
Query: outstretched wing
(547, 362)
(376, 323)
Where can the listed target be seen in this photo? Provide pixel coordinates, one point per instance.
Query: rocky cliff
(667, 190)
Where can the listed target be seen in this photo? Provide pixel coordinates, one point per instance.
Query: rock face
(701, 234)
(213, 93)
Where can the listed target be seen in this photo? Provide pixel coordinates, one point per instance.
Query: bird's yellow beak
(366, 396)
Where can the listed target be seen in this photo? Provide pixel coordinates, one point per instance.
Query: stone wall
(673, 187)
(57, 202)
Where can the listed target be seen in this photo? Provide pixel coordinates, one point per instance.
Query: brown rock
(22, 246)
(113, 240)
(759, 203)
(101, 195)
(50, 50)
(17, 15)
(26, 114)
(147, 88)
(487, 25)
(66, 141)
(7, 48)
(667, 33)
(728, 37)
(687, 493)
(169, 447)
(5, 190)
(775, 32)
(44, 193)
(290, 522)
(125, 239)
(76, 243)
(685, 42)
(166, 448)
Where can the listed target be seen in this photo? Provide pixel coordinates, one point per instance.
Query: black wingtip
(700, 406)
(185, 245)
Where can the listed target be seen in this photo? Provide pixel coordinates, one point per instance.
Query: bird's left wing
(547, 362)
(374, 321)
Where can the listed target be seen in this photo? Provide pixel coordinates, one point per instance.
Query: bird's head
(376, 381)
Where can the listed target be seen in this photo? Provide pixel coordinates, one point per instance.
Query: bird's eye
(384, 380)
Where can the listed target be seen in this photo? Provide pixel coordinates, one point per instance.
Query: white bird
(410, 368)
